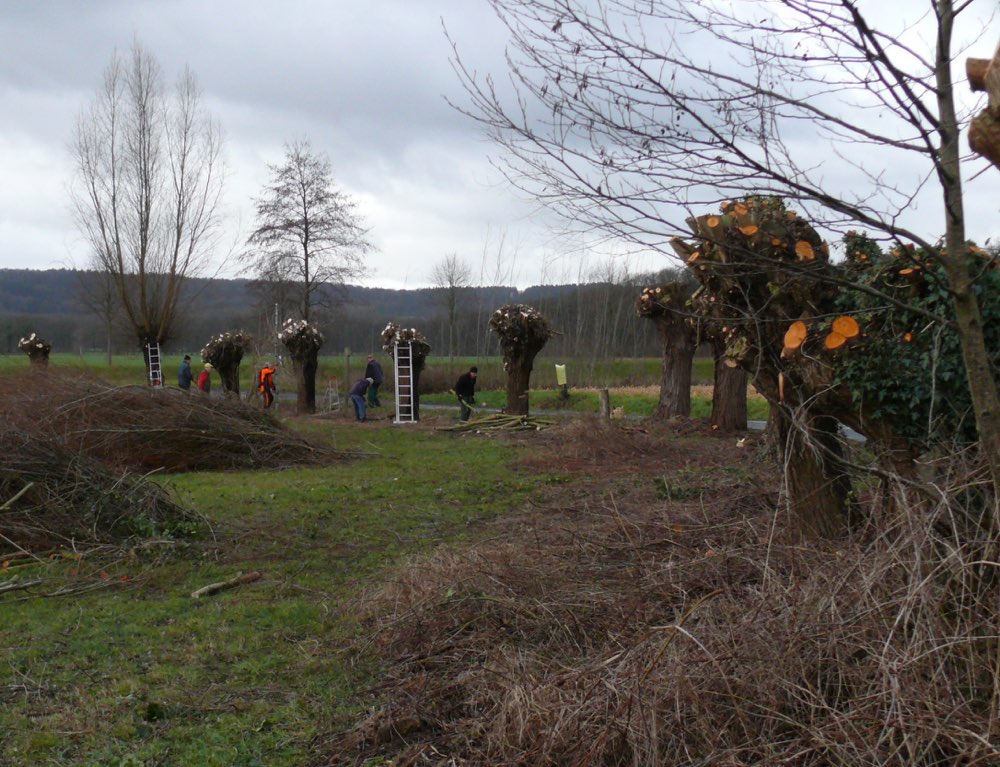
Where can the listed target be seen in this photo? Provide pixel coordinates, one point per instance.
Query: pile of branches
(501, 422)
(140, 429)
(622, 630)
(53, 496)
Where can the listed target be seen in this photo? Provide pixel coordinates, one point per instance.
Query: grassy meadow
(633, 383)
(130, 670)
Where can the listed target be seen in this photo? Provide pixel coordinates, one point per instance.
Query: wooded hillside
(594, 320)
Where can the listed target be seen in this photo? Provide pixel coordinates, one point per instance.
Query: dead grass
(619, 623)
(140, 429)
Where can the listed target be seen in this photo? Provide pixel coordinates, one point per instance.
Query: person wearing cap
(184, 375)
(465, 390)
(265, 384)
(374, 371)
(358, 398)
(205, 380)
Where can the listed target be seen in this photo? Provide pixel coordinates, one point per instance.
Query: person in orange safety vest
(265, 384)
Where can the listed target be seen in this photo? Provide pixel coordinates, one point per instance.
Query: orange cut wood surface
(834, 341)
(796, 334)
(846, 326)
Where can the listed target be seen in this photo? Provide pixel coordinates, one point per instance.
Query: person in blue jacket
(358, 398)
(184, 376)
(374, 372)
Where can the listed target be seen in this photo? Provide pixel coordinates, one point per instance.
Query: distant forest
(595, 320)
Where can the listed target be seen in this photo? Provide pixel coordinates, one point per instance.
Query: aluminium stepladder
(405, 392)
(155, 368)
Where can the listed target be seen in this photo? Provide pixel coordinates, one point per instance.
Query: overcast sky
(363, 80)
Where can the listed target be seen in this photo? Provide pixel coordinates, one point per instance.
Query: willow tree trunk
(819, 490)
(679, 346)
(305, 382)
(729, 394)
(230, 376)
(417, 369)
(518, 378)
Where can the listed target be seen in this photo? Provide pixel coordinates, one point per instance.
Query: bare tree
(629, 114)
(149, 178)
(96, 291)
(451, 275)
(308, 232)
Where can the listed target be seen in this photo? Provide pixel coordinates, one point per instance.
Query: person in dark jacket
(184, 375)
(358, 398)
(374, 372)
(465, 390)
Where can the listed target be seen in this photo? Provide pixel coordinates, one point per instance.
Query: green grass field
(619, 375)
(129, 369)
(138, 673)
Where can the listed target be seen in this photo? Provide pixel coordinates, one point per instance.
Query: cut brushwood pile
(138, 429)
(55, 496)
(501, 421)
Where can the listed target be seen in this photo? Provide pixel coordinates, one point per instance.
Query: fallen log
(215, 588)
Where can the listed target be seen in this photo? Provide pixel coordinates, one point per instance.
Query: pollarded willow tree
(628, 113)
(870, 343)
(523, 332)
(37, 349)
(665, 306)
(147, 191)
(303, 342)
(309, 233)
(225, 353)
(394, 335)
